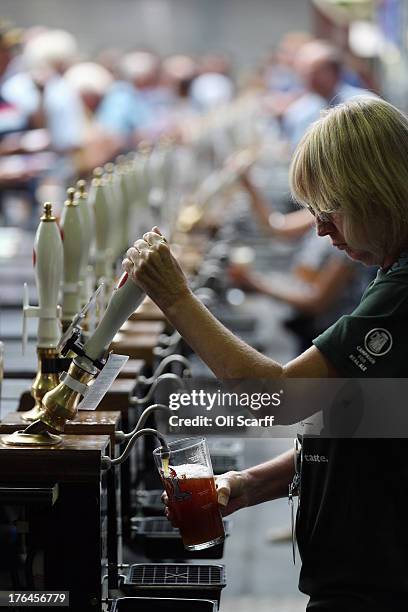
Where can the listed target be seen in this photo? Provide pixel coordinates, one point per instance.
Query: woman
(350, 170)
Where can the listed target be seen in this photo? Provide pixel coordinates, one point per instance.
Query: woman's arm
(152, 266)
(255, 485)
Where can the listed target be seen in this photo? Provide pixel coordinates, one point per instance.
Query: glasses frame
(322, 217)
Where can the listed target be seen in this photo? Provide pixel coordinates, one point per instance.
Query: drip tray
(160, 540)
(176, 579)
(150, 604)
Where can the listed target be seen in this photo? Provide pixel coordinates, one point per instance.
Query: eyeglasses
(321, 217)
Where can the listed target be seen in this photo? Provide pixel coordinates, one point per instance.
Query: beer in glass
(189, 483)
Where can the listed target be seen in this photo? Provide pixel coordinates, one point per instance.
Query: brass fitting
(60, 405)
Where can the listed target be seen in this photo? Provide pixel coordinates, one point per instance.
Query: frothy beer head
(190, 471)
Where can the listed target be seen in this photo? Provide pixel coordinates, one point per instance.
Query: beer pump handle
(48, 264)
(125, 299)
(26, 304)
(79, 317)
(87, 222)
(103, 224)
(71, 224)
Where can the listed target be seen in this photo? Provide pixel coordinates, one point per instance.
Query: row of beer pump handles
(59, 404)
(61, 253)
(57, 254)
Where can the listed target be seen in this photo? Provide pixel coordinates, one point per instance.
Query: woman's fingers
(141, 245)
(223, 491)
(127, 265)
(152, 266)
(154, 239)
(167, 511)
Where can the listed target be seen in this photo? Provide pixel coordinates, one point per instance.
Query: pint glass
(189, 483)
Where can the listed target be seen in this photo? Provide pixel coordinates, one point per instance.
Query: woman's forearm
(270, 480)
(226, 355)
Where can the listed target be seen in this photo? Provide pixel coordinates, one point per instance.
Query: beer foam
(191, 470)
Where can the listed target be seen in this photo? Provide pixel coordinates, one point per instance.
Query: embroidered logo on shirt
(378, 341)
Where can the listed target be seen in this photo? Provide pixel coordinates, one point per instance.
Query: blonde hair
(354, 160)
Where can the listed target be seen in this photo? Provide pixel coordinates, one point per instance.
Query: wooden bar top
(148, 311)
(137, 347)
(87, 422)
(143, 327)
(132, 369)
(76, 459)
(115, 399)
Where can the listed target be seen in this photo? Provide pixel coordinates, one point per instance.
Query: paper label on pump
(103, 382)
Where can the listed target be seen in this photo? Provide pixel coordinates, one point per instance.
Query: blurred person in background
(325, 284)
(13, 117)
(214, 85)
(20, 161)
(125, 111)
(45, 94)
(320, 67)
(110, 58)
(144, 70)
(92, 82)
(178, 73)
(282, 81)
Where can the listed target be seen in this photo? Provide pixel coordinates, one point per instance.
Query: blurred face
(319, 76)
(332, 224)
(91, 100)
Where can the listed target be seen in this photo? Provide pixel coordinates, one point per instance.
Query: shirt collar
(401, 262)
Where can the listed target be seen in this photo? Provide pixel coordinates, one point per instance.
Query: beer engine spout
(107, 462)
(120, 436)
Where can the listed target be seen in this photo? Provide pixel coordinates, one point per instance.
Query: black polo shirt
(352, 523)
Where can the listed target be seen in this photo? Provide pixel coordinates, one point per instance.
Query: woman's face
(332, 224)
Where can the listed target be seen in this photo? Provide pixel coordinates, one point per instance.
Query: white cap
(138, 64)
(212, 89)
(89, 77)
(48, 48)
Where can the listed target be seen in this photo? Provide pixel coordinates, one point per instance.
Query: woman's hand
(151, 265)
(232, 492)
